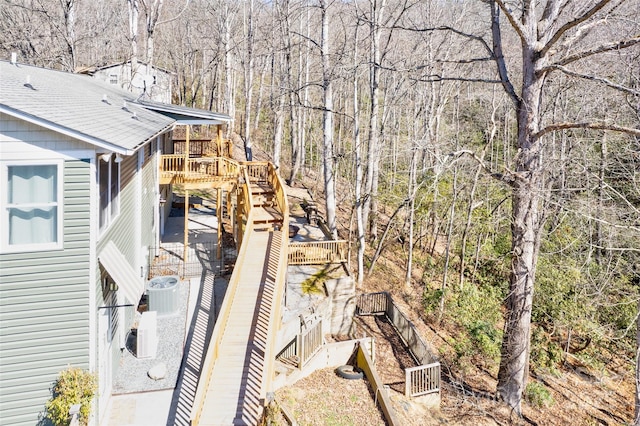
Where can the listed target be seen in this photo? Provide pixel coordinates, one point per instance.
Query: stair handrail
(276, 313)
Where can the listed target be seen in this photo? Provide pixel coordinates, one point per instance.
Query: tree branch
(453, 30)
(550, 15)
(509, 177)
(499, 55)
(586, 125)
(517, 26)
(622, 44)
(437, 78)
(604, 81)
(572, 24)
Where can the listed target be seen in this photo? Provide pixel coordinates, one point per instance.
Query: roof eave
(186, 115)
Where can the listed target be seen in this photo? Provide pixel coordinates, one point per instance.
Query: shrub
(485, 337)
(538, 395)
(546, 355)
(74, 386)
(431, 300)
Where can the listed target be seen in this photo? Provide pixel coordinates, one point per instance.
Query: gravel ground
(132, 375)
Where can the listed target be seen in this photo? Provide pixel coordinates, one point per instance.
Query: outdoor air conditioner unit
(147, 338)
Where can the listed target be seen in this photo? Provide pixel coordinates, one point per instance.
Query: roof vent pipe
(14, 58)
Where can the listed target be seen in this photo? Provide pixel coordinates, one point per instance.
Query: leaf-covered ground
(579, 395)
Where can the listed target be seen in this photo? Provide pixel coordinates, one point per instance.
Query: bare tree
(550, 38)
(327, 125)
(376, 15)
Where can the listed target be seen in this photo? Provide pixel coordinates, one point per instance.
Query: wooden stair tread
(261, 188)
(268, 214)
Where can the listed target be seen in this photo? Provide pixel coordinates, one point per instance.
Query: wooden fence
(317, 252)
(420, 380)
(372, 303)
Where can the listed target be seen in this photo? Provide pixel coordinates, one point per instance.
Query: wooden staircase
(263, 199)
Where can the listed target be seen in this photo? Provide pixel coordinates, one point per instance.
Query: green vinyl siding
(148, 202)
(134, 200)
(135, 192)
(44, 308)
(122, 227)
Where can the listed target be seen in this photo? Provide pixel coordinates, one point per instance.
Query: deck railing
(203, 147)
(218, 332)
(258, 170)
(244, 207)
(422, 380)
(303, 346)
(280, 194)
(278, 298)
(199, 169)
(317, 252)
(310, 342)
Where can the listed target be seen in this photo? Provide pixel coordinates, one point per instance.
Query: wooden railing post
(219, 215)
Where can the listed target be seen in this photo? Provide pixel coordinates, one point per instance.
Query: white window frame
(113, 206)
(5, 207)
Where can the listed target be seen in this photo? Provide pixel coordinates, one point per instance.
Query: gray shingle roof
(79, 106)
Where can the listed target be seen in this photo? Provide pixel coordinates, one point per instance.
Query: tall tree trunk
(359, 172)
(526, 187)
(374, 151)
(134, 13)
(299, 111)
(248, 82)
(328, 158)
(69, 10)
(152, 10)
(229, 83)
(447, 252)
(601, 198)
(259, 101)
(411, 194)
(278, 130)
(525, 234)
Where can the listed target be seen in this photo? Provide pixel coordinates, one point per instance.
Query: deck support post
(186, 197)
(219, 140)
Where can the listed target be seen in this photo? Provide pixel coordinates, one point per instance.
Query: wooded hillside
(492, 146)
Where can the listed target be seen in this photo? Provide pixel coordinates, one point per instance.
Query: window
(33, 214)
(109, 185)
